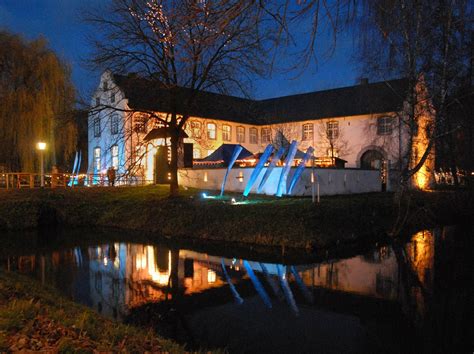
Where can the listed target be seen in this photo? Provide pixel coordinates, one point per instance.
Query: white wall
(331, 181)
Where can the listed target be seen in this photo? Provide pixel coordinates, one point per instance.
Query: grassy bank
(36, 318)
(288, 222)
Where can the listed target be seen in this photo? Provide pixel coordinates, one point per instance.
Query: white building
(360, 124)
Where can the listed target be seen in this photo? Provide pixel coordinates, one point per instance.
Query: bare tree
(182, 47)
(425, 42)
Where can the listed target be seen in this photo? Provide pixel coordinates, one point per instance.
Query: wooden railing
(18, 180)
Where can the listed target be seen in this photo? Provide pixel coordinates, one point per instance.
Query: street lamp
(41, 146)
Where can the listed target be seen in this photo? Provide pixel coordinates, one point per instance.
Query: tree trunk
(174, 187)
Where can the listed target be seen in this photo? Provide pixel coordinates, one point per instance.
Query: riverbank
(36, 318)
(287, 222)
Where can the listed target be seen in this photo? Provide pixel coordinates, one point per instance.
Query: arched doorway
(374, 160)
(371, 159)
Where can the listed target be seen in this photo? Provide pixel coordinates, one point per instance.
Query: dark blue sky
(59, 21)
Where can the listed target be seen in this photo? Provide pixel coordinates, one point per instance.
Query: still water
(412, 297)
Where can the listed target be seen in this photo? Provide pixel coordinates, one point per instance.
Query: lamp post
(41, 146)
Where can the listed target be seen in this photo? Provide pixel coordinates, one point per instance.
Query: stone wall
(331, 181)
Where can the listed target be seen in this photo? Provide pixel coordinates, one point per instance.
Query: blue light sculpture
(300, 169)
(270, 168)
(236, 294)
(235, 155)
(258, 168)
(286, 169)
(258, 286)
(71, 179)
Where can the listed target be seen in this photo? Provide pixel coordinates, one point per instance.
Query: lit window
(196, 153)
(114, 124)
(253, 136)
(211, 131)
(240, 134)
(384, 125)
(333, 152)
(332, 129)
(196, 129)
(226, 132)
(115, 154)
(266, 135)
(97, 159)
(211, 276)
(140, 124)
(97, 127)
(308, 131)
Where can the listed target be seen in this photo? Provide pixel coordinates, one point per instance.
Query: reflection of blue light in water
(300, 169)
(263, 159)
(304, 289)
(272, 282)
(258, 286)
(270, 168)
(287, 291)
(236, 294)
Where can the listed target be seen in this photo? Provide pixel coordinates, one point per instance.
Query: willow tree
(36, 97)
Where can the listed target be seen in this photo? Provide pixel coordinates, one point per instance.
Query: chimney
(364, 81)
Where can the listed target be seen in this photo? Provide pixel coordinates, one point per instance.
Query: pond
(392, 298)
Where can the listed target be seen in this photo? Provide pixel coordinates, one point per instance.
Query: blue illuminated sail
(270, 167)
(281, 189)
(300, 169)
(235, 155)
(258, 168)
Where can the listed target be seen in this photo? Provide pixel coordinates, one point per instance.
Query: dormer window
(105, 86)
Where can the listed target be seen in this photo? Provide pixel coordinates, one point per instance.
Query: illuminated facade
(360, 124)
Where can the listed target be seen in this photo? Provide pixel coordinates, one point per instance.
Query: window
(97, 101)
(308, 131)
(253, 136)
(114, 124)
(196, 129)
(209, 152)
(333, 152)
(266, 135)
(240, 134)
(384, 125)
(140, 124)
(115, 156)
(97, 159)
(196, 153)
(112, 97)
(97, 127)
(106, 86)
(226, 132)
(211, 131)
(332, 129)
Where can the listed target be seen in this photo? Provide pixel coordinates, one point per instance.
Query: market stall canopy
(223, 155)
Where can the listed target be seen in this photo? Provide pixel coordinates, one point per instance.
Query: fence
(18, 180)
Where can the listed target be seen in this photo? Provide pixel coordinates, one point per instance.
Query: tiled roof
(368, 98)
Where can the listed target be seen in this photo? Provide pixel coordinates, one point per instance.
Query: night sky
(59, 21)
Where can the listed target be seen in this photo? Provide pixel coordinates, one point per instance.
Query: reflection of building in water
(374, 275)
(116, 276)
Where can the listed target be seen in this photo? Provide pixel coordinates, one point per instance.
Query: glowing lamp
(41, 146)
(233, 200)
(204, 195)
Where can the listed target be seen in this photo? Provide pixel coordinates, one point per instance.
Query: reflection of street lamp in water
(41, 147)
